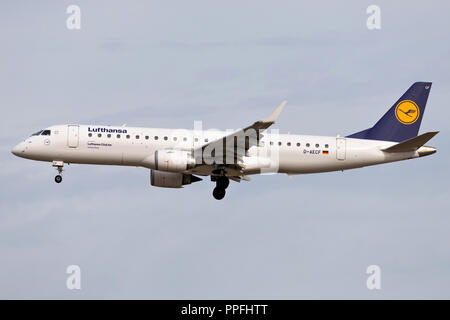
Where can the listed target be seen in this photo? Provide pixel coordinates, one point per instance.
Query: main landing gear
(59, 166)
(222, 183)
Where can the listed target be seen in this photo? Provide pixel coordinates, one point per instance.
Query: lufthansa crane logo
(407, 112)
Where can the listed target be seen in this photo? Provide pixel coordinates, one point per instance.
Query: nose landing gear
(59, 166)
(221, 184)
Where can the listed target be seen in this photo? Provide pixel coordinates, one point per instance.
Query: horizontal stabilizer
(411, 144)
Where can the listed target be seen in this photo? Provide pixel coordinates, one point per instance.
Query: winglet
(275, 113)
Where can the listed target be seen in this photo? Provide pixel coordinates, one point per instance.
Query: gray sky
(167, 64)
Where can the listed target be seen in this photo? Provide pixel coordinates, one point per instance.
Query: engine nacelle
(166, 179)
(170, 160)
(255, 163)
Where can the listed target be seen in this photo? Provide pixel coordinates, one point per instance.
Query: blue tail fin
(402, 121)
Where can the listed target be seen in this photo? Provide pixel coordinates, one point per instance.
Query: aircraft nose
(18, 149)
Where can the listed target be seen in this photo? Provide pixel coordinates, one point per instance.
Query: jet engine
(166, 179)
(170, 160)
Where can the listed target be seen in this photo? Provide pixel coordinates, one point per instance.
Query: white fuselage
(131, 146)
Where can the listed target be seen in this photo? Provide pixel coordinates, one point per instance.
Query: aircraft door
(196, 143)
(73, 136)
(340, 148)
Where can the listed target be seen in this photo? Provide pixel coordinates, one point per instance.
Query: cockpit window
(42, 133)
(37, 133)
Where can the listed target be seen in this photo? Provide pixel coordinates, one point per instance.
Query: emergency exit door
(73, 136)
(340, 148)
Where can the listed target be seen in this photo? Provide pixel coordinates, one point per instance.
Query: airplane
(178, 157)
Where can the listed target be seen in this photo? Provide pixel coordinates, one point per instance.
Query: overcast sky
(227, 63)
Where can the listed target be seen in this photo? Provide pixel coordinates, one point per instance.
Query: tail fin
(402, 121)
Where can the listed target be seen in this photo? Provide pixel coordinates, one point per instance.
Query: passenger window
(271, 143)
(89, 134)
(128, 136)
(196, 139)
(307, 145)
(45, 133)
(137, 137)
(317, 145)
(108, 135)
(289, 144)
(279, 143)
(165, 138)
(184, 139)
(206, 140)
(174, 138)
(146, 137)
(156, 137)
(99, 135)
(326, 146)
(298, 144)
(118, 136)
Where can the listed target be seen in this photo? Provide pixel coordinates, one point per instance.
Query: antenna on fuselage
(124, 125)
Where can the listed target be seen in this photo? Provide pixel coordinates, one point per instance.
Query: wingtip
(276, 112)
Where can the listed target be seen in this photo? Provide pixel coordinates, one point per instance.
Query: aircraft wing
(227, 152)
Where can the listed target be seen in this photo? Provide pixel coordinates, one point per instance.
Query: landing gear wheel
(58, 179)
(223, 182)
(59, 166)
(218, 193)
